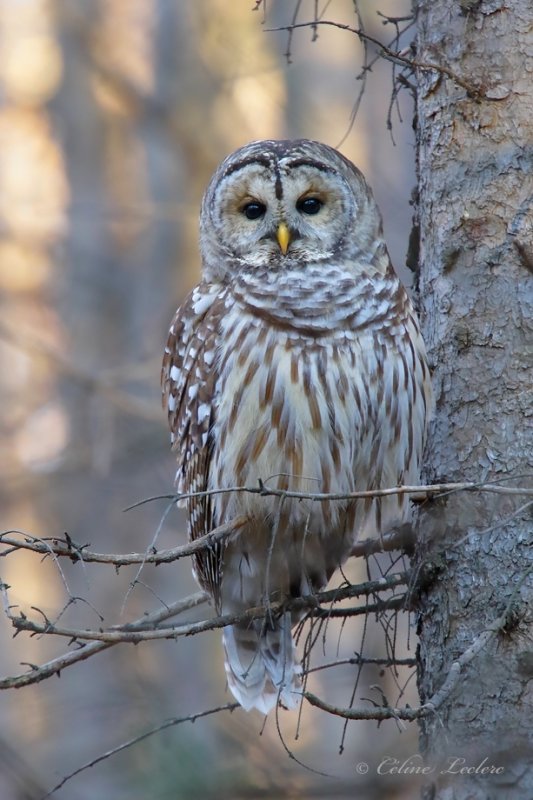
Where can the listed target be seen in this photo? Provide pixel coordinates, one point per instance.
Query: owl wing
(188, 382)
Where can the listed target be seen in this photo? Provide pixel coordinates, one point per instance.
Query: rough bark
(475, 160)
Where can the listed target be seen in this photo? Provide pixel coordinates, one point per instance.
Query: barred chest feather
(337, 412)
(317, 396)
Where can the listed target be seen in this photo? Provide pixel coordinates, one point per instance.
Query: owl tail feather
(260, 665)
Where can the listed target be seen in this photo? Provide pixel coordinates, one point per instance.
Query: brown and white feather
(304, 369)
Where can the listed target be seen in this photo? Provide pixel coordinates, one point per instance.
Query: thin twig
(397, 603)
(357, 660)
(401, 538)
(56, 665)
(441, 695)
(75, 552)
(124, 633)
(432, 491)
(150, 549)
(361, 77)
(169, 723)
(69, 549)
(290, 32)
(387, 53)
(377, 712)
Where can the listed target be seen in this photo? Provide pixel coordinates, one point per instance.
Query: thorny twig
(67, 548)
(357, 660)
(145, 628)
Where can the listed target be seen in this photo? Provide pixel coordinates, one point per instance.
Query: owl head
(283, 204)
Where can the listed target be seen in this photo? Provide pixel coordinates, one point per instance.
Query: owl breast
(285, 416)
(312, 414)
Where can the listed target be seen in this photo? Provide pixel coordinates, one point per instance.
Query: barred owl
(297, 360)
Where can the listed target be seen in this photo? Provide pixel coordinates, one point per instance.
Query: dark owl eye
(309, 205)
(254, 210)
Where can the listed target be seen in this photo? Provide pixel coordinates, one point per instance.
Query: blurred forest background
(114, 113)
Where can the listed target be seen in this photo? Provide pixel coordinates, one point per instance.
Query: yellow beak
(283, 236)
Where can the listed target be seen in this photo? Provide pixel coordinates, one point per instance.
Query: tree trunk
(475, 161)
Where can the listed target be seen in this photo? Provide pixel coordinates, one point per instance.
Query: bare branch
(67, 548)
(358, 660)
(125, 633)
(428, 489)
(424, 492)
(387, 53)
(377, 713)
(169, 723)
(56, 665)
(361, 77)
(442, 694)
(400, 538)
(390, 604)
